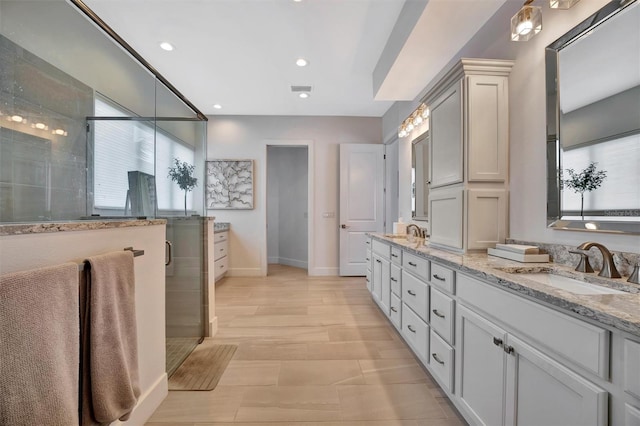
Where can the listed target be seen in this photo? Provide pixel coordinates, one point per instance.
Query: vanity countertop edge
(80, 225)
(618, 311)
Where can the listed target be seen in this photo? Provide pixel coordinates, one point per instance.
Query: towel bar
(136, 253)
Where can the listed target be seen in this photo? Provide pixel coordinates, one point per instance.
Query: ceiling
(241, 53)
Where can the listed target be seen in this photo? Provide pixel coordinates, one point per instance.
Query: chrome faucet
(418, 231)
(608, 266)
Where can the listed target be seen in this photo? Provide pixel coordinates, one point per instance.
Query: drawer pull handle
(394, 255)
(394, 309)
(394, 280)
(368, 243)
(411, 292)
(412, 264)
(438, 360)
(378, 260)
(439, 278)
(411, 329)
(221, 266)
(221, 249)
(437, 313)
(368, 280)
(508, 349)
(368, 259)
(497, 342)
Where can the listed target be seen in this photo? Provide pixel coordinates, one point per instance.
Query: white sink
(569, 284)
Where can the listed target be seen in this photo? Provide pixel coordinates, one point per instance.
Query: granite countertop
(221, 226)
(75, 225)
(620, 311)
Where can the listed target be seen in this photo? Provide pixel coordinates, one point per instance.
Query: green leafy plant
(585, 181)
(182, 174)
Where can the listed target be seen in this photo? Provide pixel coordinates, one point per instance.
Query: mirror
(593, 123)
(420, 177)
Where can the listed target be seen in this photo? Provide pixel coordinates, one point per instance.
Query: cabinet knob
(497, 342)
(508, 349)
(378, 260)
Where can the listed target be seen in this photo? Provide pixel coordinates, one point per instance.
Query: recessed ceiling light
(298, 1)
(217, 106)
(166, 46)
(301, 62)
(303, 95)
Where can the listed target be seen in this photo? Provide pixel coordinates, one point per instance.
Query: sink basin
(569, 284)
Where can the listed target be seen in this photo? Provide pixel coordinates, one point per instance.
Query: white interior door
(361, 203)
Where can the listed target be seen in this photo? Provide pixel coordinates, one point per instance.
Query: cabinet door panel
(480, 367)
(445, 217)
(445, 132)
(487, 218)
(376, 275)
(385, 286)
(487, 128)
(540, 391)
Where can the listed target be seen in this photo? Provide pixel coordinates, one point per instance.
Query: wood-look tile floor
(312, 351)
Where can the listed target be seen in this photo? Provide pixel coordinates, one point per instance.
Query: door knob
(343, 226)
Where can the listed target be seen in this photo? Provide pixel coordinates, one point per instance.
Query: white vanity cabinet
(469, 145)
(221, 253)
(506, 381)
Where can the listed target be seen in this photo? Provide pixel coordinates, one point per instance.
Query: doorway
(287, 206)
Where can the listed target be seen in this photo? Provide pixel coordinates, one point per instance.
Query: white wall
(527, 123)
(287, 221)
(23, 252)
(239, 137)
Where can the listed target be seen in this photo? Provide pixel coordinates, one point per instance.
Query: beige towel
(110, 387)
(39, 347)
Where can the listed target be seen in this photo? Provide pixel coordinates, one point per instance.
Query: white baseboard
(245, 272)
(324, 272)
(213, 327)
(292, 262)
(148, 403)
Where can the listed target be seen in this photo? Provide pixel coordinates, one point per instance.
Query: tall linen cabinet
(469, 161)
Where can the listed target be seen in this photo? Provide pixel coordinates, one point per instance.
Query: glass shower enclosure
(88, 131)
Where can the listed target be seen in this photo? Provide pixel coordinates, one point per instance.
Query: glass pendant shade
(562, 4)
(526, 23)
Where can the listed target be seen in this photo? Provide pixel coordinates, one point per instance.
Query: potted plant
(182, 174)
(585, 181)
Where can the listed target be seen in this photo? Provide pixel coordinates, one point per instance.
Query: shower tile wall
(42, 174)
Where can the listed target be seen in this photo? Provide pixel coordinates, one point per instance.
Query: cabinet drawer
(396, 280)
(442, 314)
(415, 332)
(396, 255)
(220, 236)
(396, 311)
(220, 249)
(416, 265)
(577, 341)
(415, 294)
(220, 266)
(632, 367)
(443, 277)
(441, 360)
(381, 249)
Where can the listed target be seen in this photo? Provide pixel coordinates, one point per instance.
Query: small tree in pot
(585, 181)
(182, 174)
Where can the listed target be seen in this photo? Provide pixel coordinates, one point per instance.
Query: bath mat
(203, 367)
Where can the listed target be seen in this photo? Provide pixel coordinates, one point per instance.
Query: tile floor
(178, 349)
(312, 351)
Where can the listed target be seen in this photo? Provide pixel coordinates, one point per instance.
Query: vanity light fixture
(59, 132)
(166, 46)
(527, 22)
(41, 126)
(562, 4)
(17, 119)
(417, 117)
(301, 62)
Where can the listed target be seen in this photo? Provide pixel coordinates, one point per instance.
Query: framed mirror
(593, 123)
(420, 177)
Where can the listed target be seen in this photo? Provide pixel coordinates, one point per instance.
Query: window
(121, 146)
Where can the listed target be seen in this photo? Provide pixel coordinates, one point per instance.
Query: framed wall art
(229, 184)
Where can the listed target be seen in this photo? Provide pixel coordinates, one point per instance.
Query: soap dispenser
(399, 228)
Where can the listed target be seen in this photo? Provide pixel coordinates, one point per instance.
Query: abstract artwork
(229, 184)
